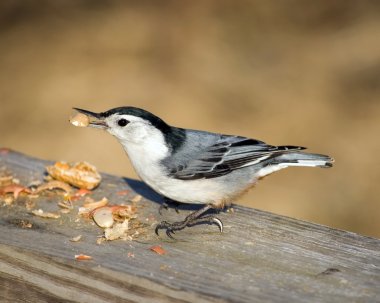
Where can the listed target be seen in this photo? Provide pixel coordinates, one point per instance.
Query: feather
(225, 155)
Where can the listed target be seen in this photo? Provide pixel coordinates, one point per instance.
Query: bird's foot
(191, 220)
(168, 203)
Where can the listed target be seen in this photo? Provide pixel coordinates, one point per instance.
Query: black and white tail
(295, 158)
(304, 159)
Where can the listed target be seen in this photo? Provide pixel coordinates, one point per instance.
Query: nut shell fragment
(6, 180)
(118, 231)
(123, 192)
(81, 174)
(136, 198)
(90, 205)
(42, 214)
(52, 185)
(158, 250)
(103, 217)
(76, 239)
(82, 257)
(16, 189)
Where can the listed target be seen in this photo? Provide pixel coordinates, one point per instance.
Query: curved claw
(219, 223)
(169, 233)
(156, 229)
(162, 206)
(169, 230)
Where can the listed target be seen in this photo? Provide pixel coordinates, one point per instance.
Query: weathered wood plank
(261, 257)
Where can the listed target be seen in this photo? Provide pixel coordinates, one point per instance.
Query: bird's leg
(193, 219)
(168, 203)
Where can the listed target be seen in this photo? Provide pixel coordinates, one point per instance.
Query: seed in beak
(86, 118)
(80, 120)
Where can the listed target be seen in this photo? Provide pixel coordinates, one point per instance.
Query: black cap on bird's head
(137, 112)
(97, 119)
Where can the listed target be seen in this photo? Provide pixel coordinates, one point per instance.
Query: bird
(194, 166)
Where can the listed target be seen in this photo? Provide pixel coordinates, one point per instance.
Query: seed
(80, 120)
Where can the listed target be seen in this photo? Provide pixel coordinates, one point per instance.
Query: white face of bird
(132, 129)
(136, 134)
(143, 142)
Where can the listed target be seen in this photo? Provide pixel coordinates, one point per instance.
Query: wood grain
(261, 257)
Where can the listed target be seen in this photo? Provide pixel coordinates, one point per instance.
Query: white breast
(146, 161)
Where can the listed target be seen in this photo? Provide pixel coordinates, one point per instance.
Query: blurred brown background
(287, 72)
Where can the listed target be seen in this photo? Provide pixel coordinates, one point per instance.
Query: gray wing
(227, 154)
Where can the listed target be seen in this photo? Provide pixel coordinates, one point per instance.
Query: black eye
(122, 122)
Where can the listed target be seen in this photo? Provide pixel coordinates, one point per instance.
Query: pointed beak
(96, 120)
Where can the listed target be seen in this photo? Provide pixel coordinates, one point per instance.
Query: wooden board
(260, 257)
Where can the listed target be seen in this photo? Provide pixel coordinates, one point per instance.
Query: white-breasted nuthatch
(192, 166)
